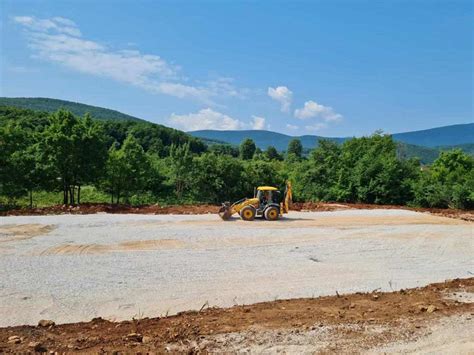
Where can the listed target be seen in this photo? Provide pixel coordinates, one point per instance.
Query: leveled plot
(76, 267)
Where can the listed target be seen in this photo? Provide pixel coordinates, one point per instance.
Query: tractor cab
(267, 194)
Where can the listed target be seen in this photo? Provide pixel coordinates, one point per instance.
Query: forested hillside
(262, 138)
(52, 105)
(63, 156)
(440, 136)
(459, 135)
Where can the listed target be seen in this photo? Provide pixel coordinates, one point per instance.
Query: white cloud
(292, 127)
(258, 122)
(59, 24)
(283, 95)
(59, 40)
(205, 119)
(313, 109)
(210, 119)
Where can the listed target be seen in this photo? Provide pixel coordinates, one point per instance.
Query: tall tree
(181, 164)
(75, 149)
(272, 154)
(92, 154)
(295, 148)
(217, 178)
(247, 149)
(128, 170)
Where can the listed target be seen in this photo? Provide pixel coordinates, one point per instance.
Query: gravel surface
(75, 267)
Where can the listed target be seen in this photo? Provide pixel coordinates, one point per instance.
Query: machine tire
(248, 213)
(272, 213)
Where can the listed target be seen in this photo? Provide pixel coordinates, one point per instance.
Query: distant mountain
(262, 138)
(426, 155)
(440, 136)
(467, 148)
(460, 134)
(51, 105)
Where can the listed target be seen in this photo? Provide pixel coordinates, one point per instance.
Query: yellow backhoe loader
(267, 202)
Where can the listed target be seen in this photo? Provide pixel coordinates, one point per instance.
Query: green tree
(449, 182)
(247, 149)
(224, 149)
(21, 170)
(92, 154)
(317, 178)
(181, 168)
(295, 148)
(372, 172)
(75, 150)
(261, 172)
(272, 154)
(217, 178)
(128, 170)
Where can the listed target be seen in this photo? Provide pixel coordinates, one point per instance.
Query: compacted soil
(73, 268)
(437, 317)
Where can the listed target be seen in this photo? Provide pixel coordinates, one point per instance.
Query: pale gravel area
(450, 335)
(75, 267)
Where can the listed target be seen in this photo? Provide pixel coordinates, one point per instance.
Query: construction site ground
(434, 319)
(311, 270)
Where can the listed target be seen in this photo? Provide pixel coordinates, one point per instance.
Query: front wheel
(248, 213)
(272, 214)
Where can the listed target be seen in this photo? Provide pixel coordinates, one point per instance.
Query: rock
(134, 337)
(147, 340)
(14, 339)
(46, 323)
(431, 309)
(375, 297)
(36, 346)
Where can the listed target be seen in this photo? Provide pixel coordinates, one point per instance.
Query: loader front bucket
(225, 212)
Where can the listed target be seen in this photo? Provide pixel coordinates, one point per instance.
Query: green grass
(45, 198)
(90, 194)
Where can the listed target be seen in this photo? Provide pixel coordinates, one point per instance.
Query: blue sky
(332, 68)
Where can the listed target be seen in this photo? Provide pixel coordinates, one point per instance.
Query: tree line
(140, 162)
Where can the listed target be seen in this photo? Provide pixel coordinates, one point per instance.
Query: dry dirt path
(75, 267)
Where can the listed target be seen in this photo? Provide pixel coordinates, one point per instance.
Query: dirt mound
(89, 208)
(467, 215)
(353, 323)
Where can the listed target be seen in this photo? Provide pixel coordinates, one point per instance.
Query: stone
(46, 323)
(431, 309)
(14, 339)
(134, 337)
(422, 308)
(147, 340)
(36, 346)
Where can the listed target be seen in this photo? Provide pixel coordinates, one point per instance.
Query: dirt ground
(88, 208)
(372, 322)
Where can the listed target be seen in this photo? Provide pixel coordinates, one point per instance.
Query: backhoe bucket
(225, 212)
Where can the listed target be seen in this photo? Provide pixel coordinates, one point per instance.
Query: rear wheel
(248, 213)
(272, 213)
